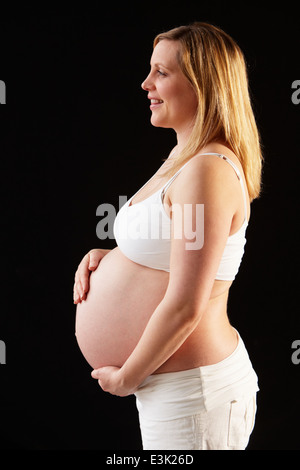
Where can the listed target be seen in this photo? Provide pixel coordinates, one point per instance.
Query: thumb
(93, 261)
(93, 264)
(96, 373)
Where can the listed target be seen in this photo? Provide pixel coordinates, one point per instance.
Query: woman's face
(173, 99)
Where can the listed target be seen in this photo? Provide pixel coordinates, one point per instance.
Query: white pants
(227, 427)
(207, 408)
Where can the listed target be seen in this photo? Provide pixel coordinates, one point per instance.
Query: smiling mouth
(155, 103)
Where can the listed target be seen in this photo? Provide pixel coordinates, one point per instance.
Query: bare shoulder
(206, 176)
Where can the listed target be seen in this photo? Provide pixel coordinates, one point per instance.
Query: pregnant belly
(122, 297)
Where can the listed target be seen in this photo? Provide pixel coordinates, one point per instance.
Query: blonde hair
(215, 66)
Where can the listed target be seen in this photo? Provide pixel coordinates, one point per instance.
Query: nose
(147, 84)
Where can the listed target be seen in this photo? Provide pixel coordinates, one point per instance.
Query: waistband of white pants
(172, 395)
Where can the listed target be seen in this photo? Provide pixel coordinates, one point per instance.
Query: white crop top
(143, 232)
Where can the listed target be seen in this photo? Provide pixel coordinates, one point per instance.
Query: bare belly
(122, 297)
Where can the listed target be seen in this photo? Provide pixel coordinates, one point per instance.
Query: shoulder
(208, 166)
(205, 177)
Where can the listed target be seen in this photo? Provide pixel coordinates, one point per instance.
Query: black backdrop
(75, 133)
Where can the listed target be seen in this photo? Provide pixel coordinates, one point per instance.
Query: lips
(155, 102)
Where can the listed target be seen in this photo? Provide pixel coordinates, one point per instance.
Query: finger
(95, 374)
(84, 280)
(76, 298)
(93, 261)
(84, 286)
(81, 284)
(75, 293)
(79, 293)
(83, 266)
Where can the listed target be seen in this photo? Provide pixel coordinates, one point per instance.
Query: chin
(156, 122)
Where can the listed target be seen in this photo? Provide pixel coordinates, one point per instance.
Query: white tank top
(143, 232)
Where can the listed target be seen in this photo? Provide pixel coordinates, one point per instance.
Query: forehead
(166, 53)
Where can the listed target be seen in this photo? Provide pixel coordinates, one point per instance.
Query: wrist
(128, 381)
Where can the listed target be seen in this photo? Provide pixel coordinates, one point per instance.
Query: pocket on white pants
(241, 422)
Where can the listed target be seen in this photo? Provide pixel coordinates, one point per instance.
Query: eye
(160, 72)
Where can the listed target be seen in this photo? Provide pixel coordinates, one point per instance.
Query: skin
(188, 325)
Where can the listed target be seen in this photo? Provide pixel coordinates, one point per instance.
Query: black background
(75, 133)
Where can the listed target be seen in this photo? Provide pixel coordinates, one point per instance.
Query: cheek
(165, 92)
(184, 103)
(190, 99)
(179, 97)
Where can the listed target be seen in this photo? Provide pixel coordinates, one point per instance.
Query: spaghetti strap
(223, 157)
(237, 171)
(168, 183)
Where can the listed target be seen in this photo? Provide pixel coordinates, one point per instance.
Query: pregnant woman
(152, 313)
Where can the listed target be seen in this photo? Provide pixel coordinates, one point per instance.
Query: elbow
(189, 314)
(188, 311)
(193, 315)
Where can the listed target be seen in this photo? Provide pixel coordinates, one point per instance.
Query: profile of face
(173, 99)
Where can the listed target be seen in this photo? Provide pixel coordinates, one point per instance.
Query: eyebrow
(160, 65)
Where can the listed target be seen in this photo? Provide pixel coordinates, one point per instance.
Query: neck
(183, 137)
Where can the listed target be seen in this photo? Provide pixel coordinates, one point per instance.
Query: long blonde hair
(215, 66)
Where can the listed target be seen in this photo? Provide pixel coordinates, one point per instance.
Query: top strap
(223, 157)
